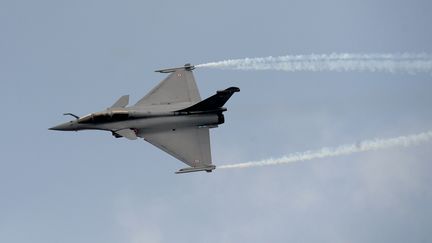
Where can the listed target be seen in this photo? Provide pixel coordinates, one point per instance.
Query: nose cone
(67, 126)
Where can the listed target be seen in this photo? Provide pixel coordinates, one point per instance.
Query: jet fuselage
(118, 119)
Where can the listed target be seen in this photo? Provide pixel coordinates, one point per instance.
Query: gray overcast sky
(80, 56)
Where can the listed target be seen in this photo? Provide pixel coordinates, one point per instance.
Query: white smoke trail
(363, 146)
(339, 62)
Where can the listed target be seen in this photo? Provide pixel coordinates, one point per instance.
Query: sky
(80, 56)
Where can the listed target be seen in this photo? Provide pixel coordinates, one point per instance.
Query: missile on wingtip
(187, 67)
(209, 168)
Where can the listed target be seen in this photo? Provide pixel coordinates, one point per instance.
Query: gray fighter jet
(171, 116)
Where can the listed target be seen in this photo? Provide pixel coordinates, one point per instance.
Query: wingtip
(187, 67)
(209, 168)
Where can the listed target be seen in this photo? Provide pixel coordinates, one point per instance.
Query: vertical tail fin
(213, 102)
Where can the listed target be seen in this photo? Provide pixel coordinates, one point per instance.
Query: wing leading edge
(178, 87)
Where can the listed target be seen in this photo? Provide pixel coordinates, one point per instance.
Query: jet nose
(67, 126)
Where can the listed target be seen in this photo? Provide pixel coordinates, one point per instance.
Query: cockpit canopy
(104, 116)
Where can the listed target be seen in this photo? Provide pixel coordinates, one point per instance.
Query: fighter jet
(171, 116)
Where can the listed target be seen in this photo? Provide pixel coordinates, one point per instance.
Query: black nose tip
(57, 128)
(62, 127)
